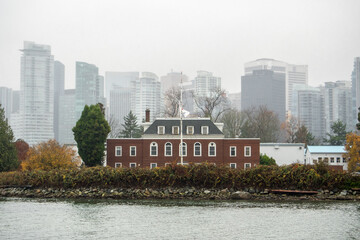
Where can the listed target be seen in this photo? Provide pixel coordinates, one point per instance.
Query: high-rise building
(204, 83)
(34, 123)
(235, 100)
(338, 104)
(6, 101)
(355, 81)
(172, 80)
(89, 87)
(15, 101)
(59, 86)
(67, 119)
(308, 108)
(264, 88)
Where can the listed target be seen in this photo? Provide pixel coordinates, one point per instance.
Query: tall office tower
(15, 101)
(264, 88)
(235, 100)
(148, 96)
(294, 74)
(172, 80)
(355, 81)
(89, 87)
(6, 97)
(204, 83)
(34, 123)
(59, 86)
(308, 108)
(67, 117)
(338, 104)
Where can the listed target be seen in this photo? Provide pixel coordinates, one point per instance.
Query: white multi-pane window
(118, 151)
(168, 149)
(332, 160)
(204, 130)
(176, 130)
(153, 165)
(161, 130)
(153, 149)
(132, 151)
(233, 165)
(197, 149)
(247, 165)
(247, 151)
(212, 149)
(190, 130)
(232, 151)
(132, 165)
(118, 164)
(338, 160)
(184, 150)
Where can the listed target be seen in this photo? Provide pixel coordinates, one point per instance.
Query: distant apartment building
(67, 117)
(6, 101)
(355, 81)
(264, 88)
(235, 100)
(34, 122)
(59, 86)
(15, 101)
(89, 87)
(337, 104)
(172, 80)
(308, 108)
(204, 83)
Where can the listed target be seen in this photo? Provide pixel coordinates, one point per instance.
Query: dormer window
(161, 130)
(190, 130)
(204, 130)
(176, 130)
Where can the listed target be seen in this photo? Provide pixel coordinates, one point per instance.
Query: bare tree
(115, 127)
(214, 105)
(290, 128)
(172, 99)
(233, 121)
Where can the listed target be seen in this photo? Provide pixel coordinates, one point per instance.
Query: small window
(315, 161)
(319, 159)
(168, 149)
(326, 160)
(175, 130)
(204, 130)
(212, 149)
(161, 130)
(233, 165)
(132, 165)
(167, 164)
(247, 165)
(118, 151)
(233, 151)
(184, 150)
(332, 160)
(247, 151)
(197, 149)
(338, 160)
(153, 165)
(153, 149)
(190, 130)
(132, 151)
(118, 165)
(344, 160)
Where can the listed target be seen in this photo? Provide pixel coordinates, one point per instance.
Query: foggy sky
(157, 36)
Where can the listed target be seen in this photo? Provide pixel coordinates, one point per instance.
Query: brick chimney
(147, 115)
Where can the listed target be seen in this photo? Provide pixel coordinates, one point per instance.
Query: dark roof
(169, 123)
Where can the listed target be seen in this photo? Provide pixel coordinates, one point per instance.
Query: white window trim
(185, 155)
(214, 145)
(151, 167)
(202, 130)
(200, 150)
(231, 164)
(116, 155)
(173, 130)
(163, 130)
(119, 164)
(245, 165)
(130, 151)
(187, 130)
(165, 150)
(230, 151)
(132, 163)
(249, 151)
(157, 149)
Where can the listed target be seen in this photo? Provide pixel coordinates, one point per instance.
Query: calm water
(63, 219)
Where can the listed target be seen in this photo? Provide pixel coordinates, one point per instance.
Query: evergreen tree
(266, 160)
(8, 154)
(90, 134)
(303, 135)
(131, 128)
(338, 136)
(358, 124)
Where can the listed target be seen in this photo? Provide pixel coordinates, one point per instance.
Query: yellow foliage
(352, 148)
(50, 155)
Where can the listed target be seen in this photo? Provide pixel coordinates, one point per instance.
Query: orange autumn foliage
(50, 155)
(352, 148)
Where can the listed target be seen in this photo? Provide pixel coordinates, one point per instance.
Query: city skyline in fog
(187, 36)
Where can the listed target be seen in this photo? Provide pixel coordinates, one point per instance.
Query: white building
(204, 83)
(172, 80)
(34, 123)
(6, 101)
(284, 153)
(67, 117)
(333, 155)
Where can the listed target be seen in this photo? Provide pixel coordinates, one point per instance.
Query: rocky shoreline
(190, 193)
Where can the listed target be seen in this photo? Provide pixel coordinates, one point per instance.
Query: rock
(326, 191)
(224, 191)
(207, 192)
(240, 195)
(343, 193)
(266, 191)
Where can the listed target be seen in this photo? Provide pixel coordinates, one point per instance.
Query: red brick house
(203, 141)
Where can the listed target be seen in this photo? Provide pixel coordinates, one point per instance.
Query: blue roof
(326, 149)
